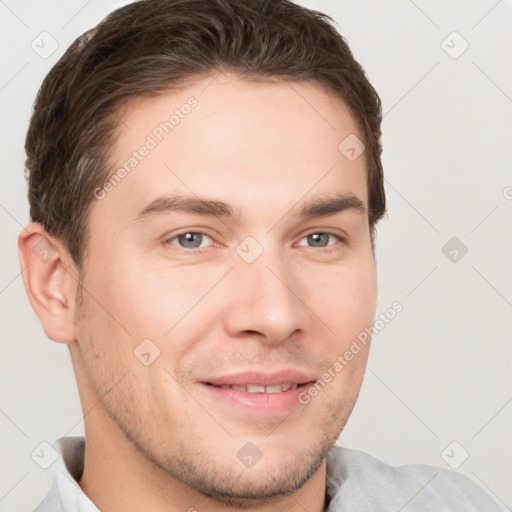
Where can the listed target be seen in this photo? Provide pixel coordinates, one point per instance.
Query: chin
(265, 482)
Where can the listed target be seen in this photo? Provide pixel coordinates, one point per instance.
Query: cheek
(127, 292)
(136, 301)
(163, 299)
(346, 300)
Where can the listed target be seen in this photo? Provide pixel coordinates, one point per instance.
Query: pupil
(318, 239)
(191, 240)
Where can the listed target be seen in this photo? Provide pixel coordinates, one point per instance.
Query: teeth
(278, 388)
(256, 389)
(274, 389)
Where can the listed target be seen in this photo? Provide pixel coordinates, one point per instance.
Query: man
(204, 184)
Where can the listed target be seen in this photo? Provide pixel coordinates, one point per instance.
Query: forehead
(253, 145)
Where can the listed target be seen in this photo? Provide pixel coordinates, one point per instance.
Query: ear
(51, 281)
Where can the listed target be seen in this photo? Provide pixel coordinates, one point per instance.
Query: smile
(279, 388)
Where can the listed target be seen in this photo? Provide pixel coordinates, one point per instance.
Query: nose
(267, 301)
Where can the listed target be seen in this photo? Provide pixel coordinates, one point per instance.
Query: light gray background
(441, 370)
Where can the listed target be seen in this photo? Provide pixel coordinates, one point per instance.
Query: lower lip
(261, 404)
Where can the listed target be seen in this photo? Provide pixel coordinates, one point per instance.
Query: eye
(190, 240)
(320, 239)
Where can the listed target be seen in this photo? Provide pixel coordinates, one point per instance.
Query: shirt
(356, 482)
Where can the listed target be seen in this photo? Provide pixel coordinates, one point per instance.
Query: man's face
(257, 293)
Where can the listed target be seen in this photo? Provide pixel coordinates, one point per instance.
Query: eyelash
(199, 250)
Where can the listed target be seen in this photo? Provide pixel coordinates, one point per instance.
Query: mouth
(261, 394)
(254, 388)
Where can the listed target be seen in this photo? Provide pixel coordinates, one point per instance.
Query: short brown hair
(151, 46)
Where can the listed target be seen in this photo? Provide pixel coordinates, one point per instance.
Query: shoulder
(355, 477)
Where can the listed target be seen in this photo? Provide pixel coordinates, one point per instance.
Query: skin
(155, 438)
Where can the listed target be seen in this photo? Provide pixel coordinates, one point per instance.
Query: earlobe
(50, 281)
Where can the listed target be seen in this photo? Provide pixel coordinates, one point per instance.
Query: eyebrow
(331, 205)
(189, 204)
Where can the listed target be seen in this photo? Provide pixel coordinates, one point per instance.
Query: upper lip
(254, 378)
